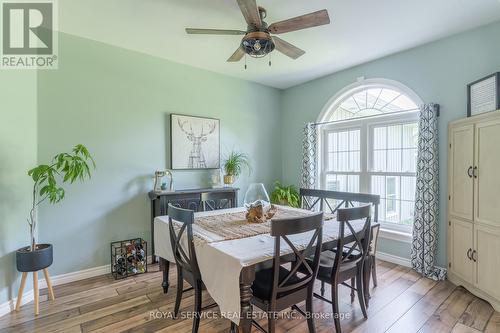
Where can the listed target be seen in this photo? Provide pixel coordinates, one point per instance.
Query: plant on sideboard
(234, 165)
(64, 167)
(286, 195)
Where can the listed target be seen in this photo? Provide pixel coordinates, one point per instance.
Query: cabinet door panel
(461, 159)
(487, 242)
(461, 236)
(487, 183)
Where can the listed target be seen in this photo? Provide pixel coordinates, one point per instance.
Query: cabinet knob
(474, 256)
(470, 172)
(474, 172)
(469, 254)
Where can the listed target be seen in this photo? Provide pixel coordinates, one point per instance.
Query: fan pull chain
(245, 61)
(269, 59)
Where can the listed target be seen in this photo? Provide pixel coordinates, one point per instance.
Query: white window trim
(362, 84)
(394, 231)
(365, 125)
(405, 237)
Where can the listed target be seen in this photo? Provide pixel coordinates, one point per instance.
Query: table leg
(165, 268)
(367, 268)
(246, 281)
(153, 257)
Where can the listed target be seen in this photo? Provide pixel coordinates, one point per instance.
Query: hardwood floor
(402, 302)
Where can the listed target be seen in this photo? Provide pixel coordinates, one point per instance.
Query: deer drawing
(196, 156)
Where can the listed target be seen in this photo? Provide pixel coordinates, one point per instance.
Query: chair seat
(346, 250)
(262, 286)
(326, 261)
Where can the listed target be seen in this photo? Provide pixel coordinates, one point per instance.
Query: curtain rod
(391, 113)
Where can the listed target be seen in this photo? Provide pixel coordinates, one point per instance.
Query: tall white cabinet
(474, 205)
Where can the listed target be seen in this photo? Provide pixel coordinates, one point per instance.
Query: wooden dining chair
(186, 263)
(329, 202)
(277, 288)
(372, 251)
(346, 262)
(217, 200)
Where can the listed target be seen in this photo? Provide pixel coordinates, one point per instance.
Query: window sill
(395, 235)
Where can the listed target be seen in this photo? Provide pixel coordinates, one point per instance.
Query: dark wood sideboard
(188, 199)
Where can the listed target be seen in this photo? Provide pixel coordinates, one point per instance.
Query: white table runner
(221, 262)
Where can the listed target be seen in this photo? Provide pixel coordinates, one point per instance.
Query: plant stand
(34, 261)
(35, 289)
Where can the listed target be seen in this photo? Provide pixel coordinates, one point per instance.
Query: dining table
(230, 250)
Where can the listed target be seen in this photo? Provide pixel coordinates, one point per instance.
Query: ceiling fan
(257, 40)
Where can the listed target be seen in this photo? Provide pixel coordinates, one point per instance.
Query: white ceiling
(360, 31)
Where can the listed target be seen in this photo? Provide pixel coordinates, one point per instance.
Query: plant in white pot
(64, 167)
(234, 165)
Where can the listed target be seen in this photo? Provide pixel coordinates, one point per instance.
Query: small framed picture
(483, 95)
(194, 142)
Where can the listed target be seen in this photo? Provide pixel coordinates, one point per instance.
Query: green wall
(117, 102)
(437, 72)
(18, 132)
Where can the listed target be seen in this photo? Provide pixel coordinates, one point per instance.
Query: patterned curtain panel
(425, 236)
(309, 157)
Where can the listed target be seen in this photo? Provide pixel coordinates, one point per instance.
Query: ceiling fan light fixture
(257, 44)
(257, 41)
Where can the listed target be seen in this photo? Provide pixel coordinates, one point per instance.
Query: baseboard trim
(9, 306)
(76, 276)
(394, 259)
(29, 295)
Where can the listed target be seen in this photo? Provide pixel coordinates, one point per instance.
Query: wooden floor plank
(386, 317)
(493, 325)
(477, 314)
(58, 305)
(62, 325)
(461, 328)
(447, 315)
(418, 315)
(402, 302)
(41, 323)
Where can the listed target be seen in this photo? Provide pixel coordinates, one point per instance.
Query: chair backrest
(352, 245)
(320, 200)
(180, 224)
(216, 200)
(281, 229)
(374, 239)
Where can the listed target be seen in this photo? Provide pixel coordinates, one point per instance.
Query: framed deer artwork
(194, 142)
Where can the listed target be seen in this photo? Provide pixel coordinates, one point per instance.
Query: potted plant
(234, 165)
(285, 195)
(67, 167)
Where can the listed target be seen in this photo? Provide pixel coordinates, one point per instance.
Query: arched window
(369, 144)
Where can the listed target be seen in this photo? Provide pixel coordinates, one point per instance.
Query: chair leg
(322, 288)
(360, 292)
(309, 311)
(374, 271)
(178, 296)
(197, 306)
(353, 285)
(271, 323)
(335, 306)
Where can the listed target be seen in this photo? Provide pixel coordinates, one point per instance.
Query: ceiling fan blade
(250, 12)
(214, 31)
(301, 22)
(287, 49)
(237, 55)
